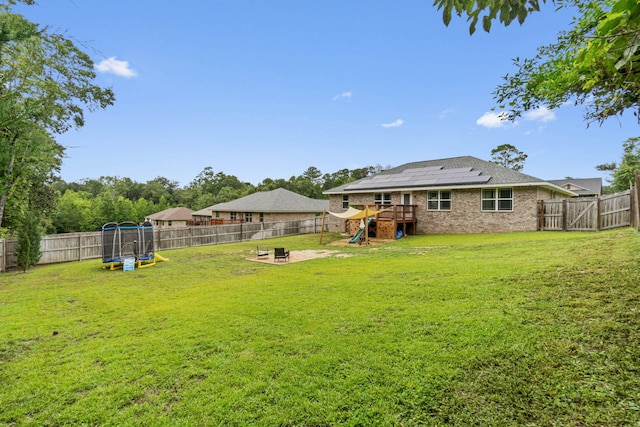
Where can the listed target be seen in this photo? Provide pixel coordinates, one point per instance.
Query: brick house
(170, 218)
(454, 195)
(263, 206)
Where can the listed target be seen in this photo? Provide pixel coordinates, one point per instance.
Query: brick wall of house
(465, 216)
(163, 223)
(275, 217)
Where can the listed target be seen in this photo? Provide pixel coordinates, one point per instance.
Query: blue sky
(267, 89)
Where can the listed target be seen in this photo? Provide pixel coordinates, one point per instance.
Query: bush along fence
(68, 247)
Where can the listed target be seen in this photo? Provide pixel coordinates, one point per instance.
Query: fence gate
(585, 213)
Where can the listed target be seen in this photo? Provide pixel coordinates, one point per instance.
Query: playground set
(381, 221)
(128, 244)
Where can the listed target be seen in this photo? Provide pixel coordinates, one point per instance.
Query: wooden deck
(397, 213)
(394, 218)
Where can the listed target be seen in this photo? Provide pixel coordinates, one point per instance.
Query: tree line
(88, 204)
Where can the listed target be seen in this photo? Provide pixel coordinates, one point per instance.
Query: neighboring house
(583, 187)
(170, 218)
(263, 206)
(454, 195)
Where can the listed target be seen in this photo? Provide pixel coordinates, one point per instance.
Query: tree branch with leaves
(594, 64)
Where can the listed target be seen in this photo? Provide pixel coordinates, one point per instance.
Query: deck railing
(399, 213)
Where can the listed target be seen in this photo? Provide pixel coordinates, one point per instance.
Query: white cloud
(117, 67)
(343, 95)
(541, 114)
(493, 120)
(395, 124)
(445, 113)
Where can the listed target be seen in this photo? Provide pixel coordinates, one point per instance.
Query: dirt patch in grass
(296, 256)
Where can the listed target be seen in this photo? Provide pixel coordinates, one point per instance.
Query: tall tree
(28, 158)
(46, 83)
(313, 174)
(508, 156)
(623, 174)
(158, 188)
(76, 211)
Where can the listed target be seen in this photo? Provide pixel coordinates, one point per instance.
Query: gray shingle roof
(275, 201)
(581, 186)
(455, 171)
(173, 214)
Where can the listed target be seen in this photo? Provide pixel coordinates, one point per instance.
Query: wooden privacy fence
(586, 213)
(58, 248)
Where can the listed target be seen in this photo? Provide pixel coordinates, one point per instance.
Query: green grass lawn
(486, 330)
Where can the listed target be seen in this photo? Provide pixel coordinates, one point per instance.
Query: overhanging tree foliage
(489, 10)
(593, 64)
(46, 84)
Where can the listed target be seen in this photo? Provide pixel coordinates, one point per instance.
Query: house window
(217, 214)
(169, 223)
(261, 216)
(382, 198)
(345, 201)
(233, 215)
(497, 199)
(439, 200)
(248, 216)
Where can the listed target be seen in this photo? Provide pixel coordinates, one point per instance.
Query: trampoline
(127, 241)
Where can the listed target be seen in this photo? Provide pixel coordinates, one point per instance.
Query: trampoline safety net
(127, 240)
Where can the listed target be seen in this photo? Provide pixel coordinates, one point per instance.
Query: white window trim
(440, 200)
(345, 202)
(383, 200)
(496, 199)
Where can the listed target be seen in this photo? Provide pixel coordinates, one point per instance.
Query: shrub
(29, 236)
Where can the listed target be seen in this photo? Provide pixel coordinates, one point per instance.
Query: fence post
(564, 214)
(540, 215)
(3, 255)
